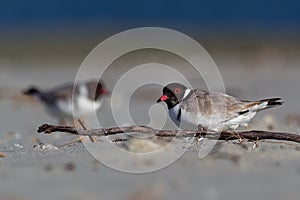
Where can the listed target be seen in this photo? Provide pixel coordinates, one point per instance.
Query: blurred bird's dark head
(96, 89)
(32, 91)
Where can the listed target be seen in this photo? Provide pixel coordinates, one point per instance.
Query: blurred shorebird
(211, 111)
(68, 100)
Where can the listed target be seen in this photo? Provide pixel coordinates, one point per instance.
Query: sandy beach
(230, 171)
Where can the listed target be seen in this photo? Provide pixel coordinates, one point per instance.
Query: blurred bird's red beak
(162, 98)
(105, 92)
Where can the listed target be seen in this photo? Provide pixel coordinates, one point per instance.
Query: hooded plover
(68, 100)
(211, 111)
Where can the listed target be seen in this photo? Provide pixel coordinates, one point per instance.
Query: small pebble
(70, 166)
(18, 146)
(43, 146)
(2, 155)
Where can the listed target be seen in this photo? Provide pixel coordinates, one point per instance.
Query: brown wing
(65, 91)
(216, 104)
(62, 92)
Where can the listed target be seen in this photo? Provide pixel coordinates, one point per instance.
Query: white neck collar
(186, 93)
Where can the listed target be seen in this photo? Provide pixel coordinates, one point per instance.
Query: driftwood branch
(252, 135)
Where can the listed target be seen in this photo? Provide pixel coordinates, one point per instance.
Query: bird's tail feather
(264, 104)
(272, 102)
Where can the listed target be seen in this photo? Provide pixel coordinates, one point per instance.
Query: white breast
(86, 106)
(173, 113)
(82, 104)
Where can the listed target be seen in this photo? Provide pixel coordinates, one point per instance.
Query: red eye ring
(177, 90)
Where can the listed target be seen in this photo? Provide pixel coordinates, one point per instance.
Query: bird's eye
(177, 91)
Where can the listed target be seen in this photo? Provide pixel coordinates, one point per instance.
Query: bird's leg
(201, 131)
(202, 128)
(77, 126)
(236, 135)
(85, 127)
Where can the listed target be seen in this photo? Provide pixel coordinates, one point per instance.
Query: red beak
(162, 98)
(105, 92)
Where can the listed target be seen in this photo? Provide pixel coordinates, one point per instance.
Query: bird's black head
(32, 91)
(172, 94)
(97, 89)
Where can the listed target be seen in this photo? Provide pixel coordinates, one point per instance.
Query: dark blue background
(169, 13)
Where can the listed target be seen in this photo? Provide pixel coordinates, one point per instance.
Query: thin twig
(252, 135)
(85, 127)
(69, 143)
